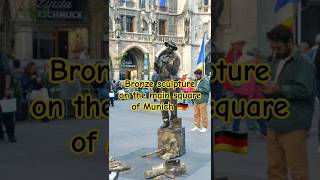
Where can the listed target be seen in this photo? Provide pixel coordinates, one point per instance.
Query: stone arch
(143, 49)
(134, 54)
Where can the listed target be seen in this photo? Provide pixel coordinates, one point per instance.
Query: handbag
(8, 105)
(111, 94)
(41, 94)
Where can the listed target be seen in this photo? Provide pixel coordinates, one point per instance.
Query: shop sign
(146, 66)
(146, 61)
(59, 10)
(127, 64)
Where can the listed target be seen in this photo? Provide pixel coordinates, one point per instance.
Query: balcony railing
(136, 36)
(165, 38)
(132, 36)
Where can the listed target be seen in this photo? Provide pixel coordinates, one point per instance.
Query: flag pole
(204, 64)
(299, 23)
(204, 54)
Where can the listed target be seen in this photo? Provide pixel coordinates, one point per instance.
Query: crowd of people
(295, 72)
(24, 84)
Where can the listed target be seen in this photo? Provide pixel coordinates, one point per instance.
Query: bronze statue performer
(167, 66)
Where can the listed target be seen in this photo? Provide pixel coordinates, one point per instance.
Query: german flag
(182, 106)
(231, 141)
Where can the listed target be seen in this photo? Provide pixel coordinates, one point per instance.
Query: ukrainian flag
(202, 54)
(282, 3)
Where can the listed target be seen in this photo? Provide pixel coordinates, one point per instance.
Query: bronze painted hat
(171, 44)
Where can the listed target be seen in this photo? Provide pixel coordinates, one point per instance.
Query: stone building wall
(249, 20)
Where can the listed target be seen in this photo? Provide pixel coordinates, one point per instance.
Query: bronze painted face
(170, 49)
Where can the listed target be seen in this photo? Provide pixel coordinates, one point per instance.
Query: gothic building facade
(139, 28)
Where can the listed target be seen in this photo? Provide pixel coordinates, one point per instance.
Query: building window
(121, 2)
(43, 45)
(130, 4)
(205, 28)
(142, 4)
(163, 5)
(172, 6)
(162, 27)
(62, 42)
(129, 23)
(206, 2)
(122, 22)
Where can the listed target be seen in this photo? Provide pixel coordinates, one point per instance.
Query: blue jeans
(236, 125)
(250, 125)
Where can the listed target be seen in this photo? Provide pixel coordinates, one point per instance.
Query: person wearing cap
(200, 105)
(292, 78)
(233, 55)
(167, 67)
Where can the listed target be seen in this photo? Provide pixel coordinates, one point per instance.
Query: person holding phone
(293, 77)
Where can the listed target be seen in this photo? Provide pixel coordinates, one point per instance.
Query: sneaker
(194, 129)
(203, 130)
